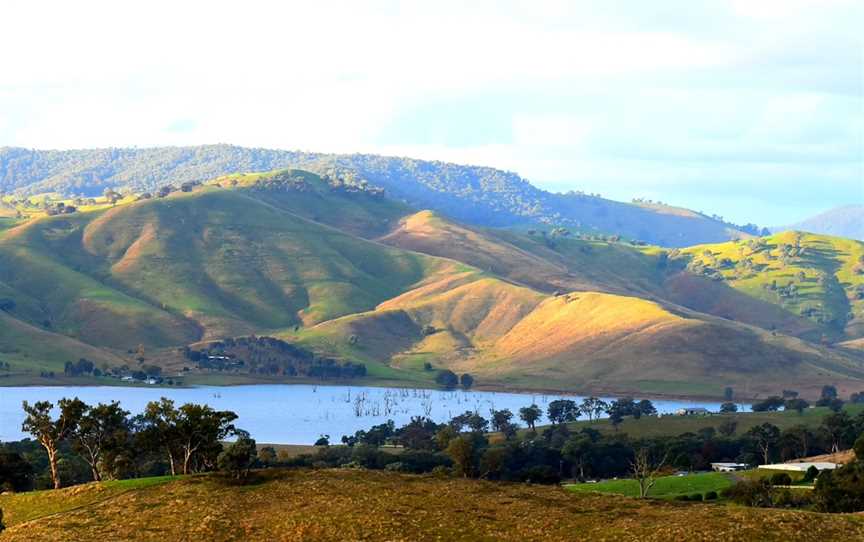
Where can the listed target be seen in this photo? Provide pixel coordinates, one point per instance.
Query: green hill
(334, 265)
(350, 504)
(814, 277)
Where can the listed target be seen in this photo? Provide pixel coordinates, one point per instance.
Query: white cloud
(630, 96)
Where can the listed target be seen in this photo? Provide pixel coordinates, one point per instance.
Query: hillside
(845, 221)
(476, 195)
(349, 504)
(814, 277)
(334, 265)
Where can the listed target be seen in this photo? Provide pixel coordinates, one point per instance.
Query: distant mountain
(845, 221)
(475, 195)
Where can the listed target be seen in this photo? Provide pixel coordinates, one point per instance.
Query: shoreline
(383, 383)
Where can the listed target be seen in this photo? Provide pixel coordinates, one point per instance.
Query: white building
(692, 411)
(729, 467)
(801, 467)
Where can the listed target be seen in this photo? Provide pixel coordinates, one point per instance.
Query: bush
(696, 497)
(711, 496)
(238, 457)
(441, 471)
(540, 474)
(841, 490)
(751, 493)
(447, 378)
(781, 479)
(811, 474)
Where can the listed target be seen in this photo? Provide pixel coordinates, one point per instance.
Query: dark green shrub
(841, 490)
(751, 493)
(811, 474)
(696, 497)
(781, 479)
(711, 496)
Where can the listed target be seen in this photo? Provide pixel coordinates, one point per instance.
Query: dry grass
(363, 505)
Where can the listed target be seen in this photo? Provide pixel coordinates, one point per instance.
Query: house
(692, 411)
(801, 467)
(127, 378)
(729, 467)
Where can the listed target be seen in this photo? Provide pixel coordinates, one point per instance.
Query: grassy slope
(666, 487)
(160, 272)
(830, 302)
(544, 263)
(30, 350)
(244, 255)
(350, 504)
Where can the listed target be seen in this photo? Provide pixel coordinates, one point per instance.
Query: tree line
(108, 443)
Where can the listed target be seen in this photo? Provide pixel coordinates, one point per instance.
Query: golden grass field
(368, 505)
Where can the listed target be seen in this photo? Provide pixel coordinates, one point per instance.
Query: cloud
(667, 99)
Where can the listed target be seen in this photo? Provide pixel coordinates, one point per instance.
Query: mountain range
(330, 263)
(475, 195)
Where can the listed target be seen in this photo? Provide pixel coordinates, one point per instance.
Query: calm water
(296, 414)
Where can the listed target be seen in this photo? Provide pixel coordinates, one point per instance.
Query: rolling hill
(334, 265)
(475, 195)
(340, 504)
(816, 277)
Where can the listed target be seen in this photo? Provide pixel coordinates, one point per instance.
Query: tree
(646, 408)
(593, 407)
(157, 430)
(797, 405)
(500, 418)
(239, 456)
(799, 439)
(828, 393)
(16, 472)
(466, 380)
(771, 404)
(728, 407)
(562, 411)
(645, 470)
(728, 393)
(578, 451)
(727, 428)
(103, 428)
(461, 451)
(530, 415)
(51, 433)
(199, 429)
(447, 378)
(765, 437)
(838, 430)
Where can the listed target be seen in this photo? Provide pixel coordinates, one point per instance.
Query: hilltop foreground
(362, 505)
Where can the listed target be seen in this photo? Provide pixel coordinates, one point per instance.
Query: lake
(297, 413)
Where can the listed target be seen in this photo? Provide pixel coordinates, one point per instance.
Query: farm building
(801, 467)
(692, 411)
(729, 467)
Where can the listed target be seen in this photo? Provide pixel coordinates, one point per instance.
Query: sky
(750, 109)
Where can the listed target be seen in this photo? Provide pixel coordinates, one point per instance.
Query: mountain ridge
(476, 195)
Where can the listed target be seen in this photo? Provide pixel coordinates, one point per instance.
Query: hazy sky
(751, 109)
